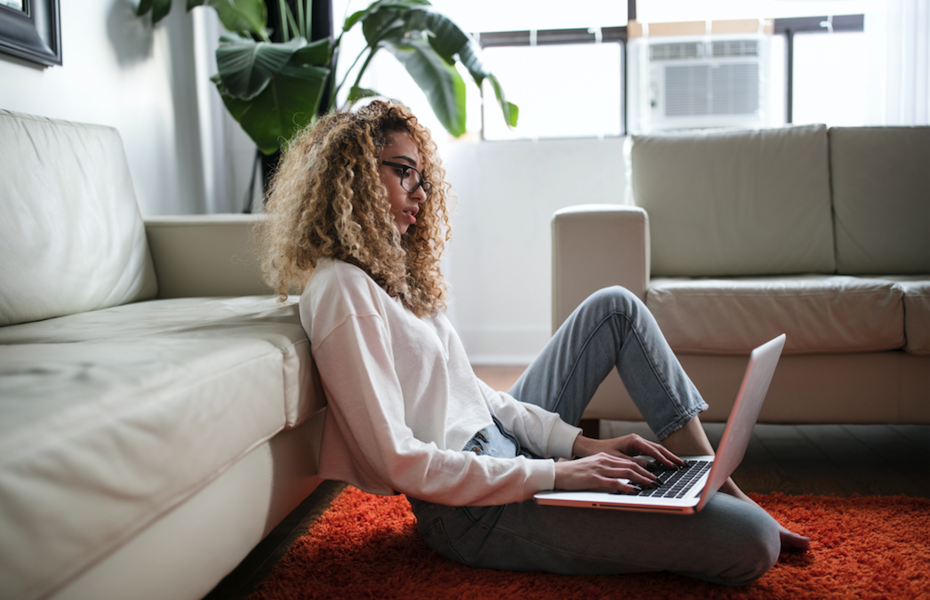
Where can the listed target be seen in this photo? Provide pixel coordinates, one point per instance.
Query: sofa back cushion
(71, 236)
(721, 203)
(881, 199)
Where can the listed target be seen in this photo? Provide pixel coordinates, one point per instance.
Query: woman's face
(402, 150)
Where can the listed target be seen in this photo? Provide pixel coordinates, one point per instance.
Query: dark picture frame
(33, 33)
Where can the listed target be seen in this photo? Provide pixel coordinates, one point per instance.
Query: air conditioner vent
(699, 81)
(719, 89)
(735, 89)
(676, 51)
(730, 48)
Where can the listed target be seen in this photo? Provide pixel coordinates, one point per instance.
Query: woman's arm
(602, 462)
(541, 432)
(374, 448)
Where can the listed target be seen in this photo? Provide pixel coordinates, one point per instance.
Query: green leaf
(194, 3)
(287, 104)
(235, 106)
(246, 66)
(447, 38)
(381, 4)
(159, 9)
(241, 15)
(510, 110)
(353, 19)
(440, 81)
(144, 7)
(392, 23)
(383, 24)
(357, 93)
(314, 53)
(470, 57)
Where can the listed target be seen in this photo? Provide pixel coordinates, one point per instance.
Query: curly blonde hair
(327, 200)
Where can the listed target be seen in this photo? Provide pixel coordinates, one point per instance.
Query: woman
(358, 214)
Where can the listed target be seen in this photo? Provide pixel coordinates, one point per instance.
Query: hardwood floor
(824, 460)
(840, 460)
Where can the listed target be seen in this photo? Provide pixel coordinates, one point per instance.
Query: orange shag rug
(367, 546)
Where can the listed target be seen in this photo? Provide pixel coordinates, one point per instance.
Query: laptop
(688, 489)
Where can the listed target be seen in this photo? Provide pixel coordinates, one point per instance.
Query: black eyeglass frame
(423, 183)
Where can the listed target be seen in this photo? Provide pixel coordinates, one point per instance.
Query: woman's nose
(419, 194)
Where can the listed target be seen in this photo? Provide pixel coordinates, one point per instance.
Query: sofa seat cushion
(109, 419)
(819, 313)
(258, 317)
(916, 290)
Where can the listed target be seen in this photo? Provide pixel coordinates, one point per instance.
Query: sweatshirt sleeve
(366, 405)
(542, 432)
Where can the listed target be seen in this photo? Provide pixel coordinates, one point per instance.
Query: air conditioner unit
(698, 82)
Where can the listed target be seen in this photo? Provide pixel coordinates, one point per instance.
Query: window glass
(655, 11)
(830, 72)
(776, 85)
(519, 15)
(570, 90)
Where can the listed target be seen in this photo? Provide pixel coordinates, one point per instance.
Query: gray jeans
(730, 541)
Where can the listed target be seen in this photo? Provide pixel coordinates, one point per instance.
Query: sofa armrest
(205, 255)
(596, 246)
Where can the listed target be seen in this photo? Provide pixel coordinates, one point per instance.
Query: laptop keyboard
(675, 482)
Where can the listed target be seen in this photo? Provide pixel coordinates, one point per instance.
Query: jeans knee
(757, 553)
(615, 298)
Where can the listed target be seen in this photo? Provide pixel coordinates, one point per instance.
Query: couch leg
(591, 428)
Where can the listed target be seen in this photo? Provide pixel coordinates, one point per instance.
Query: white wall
(117, 71)
(499, 261)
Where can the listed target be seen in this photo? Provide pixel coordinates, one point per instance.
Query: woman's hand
(602, 471)
(605, 462)
(627, 446)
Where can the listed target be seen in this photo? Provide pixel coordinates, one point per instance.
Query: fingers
(666, 457)
(657, 451)
(601, 471)
(606, 471)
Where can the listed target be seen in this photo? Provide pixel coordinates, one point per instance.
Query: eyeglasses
(410, 181)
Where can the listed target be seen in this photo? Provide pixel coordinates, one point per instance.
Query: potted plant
(273, 89)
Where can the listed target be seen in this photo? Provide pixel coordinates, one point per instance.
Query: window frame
(786, 27)
(790, 26)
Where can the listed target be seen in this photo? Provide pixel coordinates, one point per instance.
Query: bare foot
(789, 539)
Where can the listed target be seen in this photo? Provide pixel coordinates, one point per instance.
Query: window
(590, 71)
(728, 67)
(562, 67)
(562, 89)
(828, 73)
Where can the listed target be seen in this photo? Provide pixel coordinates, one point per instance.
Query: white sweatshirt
(403, 401)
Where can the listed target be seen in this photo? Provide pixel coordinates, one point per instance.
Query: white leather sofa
(159, 410)
(733, 237)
